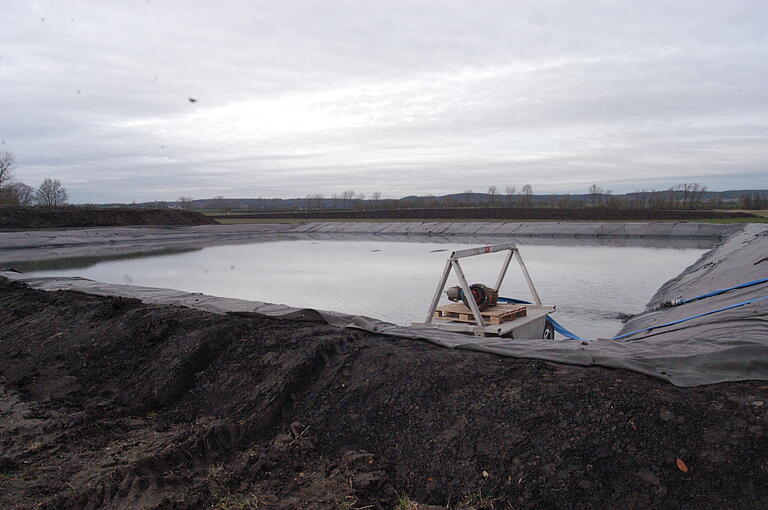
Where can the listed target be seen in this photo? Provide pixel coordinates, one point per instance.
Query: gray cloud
(400, 97)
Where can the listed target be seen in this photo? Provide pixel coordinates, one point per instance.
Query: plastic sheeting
(726, 346)
(84, 255)
(523, 229)
(93, 243)
(135, 235)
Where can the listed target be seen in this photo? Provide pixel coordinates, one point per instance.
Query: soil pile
(111, 402)
(504, 213)
(63, 217)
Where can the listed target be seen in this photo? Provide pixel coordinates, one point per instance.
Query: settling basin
(594, 285)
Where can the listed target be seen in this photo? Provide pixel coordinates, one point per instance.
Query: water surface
(592, 286)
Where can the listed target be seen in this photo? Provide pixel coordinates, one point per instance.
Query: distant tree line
(754, 201)
(50, 192)
(690, 196)
(681, 196)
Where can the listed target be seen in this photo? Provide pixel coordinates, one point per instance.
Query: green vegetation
(238, 502)
(406, 503)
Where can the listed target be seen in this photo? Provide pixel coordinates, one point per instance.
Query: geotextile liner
(141, 236)
(730, 345)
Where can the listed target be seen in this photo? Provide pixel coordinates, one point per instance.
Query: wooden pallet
(459, 312)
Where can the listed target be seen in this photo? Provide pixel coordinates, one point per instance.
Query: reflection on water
(83, 262)
(590, 285)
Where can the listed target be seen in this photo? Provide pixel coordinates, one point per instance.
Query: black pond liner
(731, 345)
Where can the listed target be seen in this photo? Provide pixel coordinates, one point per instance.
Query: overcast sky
(297, 97)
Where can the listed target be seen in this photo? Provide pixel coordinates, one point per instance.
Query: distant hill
(646, 199)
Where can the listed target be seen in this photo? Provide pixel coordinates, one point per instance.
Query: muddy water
(592, 286)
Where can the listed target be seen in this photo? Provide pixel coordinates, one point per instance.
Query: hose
(555, 325)
(690, 318)
(682, 301)
(568, 334)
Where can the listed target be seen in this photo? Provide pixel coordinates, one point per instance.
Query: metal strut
(453, 264)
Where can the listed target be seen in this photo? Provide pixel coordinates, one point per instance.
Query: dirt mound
(504, 213)
(111, 402)
(63, 217)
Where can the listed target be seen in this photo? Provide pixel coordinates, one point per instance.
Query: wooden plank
(495, 315)
(497, 310)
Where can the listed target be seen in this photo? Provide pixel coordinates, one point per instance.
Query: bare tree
(527, 192)
(595, 194)
(7, 197)
(375, 198)
(638, 199)
(510, 191)
(756, 200)
(21, 194)
(695, 193)
(51, 193)
(687, 195)
(7, 160)
(13, 193)
(346, 199)
(612, 202)
(564, 201)
(492, 191)
(315, 201)
(185, 202)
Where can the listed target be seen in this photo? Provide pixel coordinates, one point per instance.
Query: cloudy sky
(296, 97)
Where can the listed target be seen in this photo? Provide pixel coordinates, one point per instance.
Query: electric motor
(483, 295)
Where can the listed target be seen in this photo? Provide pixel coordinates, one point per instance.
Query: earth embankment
(109, 402)
(67, 217)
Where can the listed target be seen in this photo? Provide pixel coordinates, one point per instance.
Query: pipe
(568, 334)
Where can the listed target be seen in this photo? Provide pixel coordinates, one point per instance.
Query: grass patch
(238, 502)
(406, 503)
(235, 220)
(477, 501)
(756, 212)
(216, 472)
(759, 219)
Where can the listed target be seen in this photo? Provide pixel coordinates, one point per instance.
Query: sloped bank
(501, 213)
(96, 242)
(730, 345)
(135, 236)
(109, 402)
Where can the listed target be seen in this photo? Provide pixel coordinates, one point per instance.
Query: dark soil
(108, 402)
(504, 213)
(63, 217)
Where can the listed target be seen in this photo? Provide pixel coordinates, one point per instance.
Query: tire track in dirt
(110, 403)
